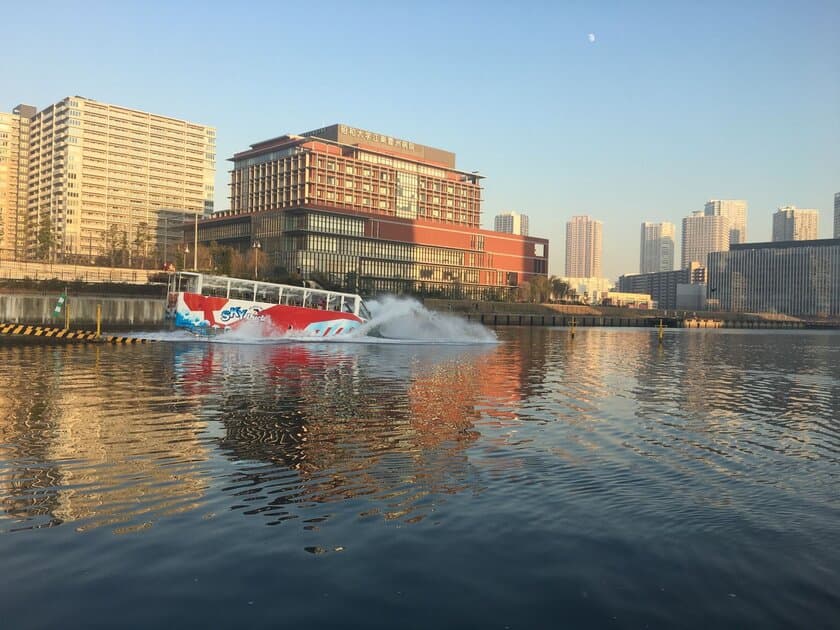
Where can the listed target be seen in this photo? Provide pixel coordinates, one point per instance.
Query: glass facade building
(373, 213)
(793, 277)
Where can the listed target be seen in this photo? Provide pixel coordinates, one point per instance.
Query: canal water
(543, 481)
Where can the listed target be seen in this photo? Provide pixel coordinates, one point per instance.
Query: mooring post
(572, 329)
(98, 320)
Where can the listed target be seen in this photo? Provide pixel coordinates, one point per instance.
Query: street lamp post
(256, 247)
(195, 245)
(165, 240)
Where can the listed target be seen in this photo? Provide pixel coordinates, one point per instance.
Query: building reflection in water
(28, 480)
(387, 423)
(122, 436)
(93, 444)
(721, 397)
(713, 382)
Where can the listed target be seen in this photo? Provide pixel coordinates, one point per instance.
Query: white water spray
(404, 319)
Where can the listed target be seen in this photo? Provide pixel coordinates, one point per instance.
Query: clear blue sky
(673, 103)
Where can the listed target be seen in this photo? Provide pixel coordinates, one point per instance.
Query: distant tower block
(511, 223)
(656, 249)
(583, 247)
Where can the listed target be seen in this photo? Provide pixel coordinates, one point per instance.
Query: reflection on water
(339, 422)
(110, 436)
(604, 468)
(70, 452)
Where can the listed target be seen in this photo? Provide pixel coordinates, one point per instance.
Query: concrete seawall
(117, 312)
(523, 314)
(524, 319)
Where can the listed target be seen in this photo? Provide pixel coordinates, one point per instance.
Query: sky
(623, 111)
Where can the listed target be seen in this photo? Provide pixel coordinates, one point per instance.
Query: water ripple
(618, 473)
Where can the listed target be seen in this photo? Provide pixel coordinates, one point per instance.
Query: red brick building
(373, 212)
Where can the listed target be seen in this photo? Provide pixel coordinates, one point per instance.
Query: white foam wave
(402, 319)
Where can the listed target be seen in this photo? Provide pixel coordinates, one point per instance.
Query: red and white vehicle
(203, 303)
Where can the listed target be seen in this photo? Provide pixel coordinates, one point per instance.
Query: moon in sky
(591, 38)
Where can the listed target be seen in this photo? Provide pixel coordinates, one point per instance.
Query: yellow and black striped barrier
(115, 339)
(47, 333)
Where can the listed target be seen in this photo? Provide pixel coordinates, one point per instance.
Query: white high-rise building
(511, 223)
(104, 179)
(736, 211)
(583, 247)
(795, 224)
(656, 249)
(703, 234)
(837, 215)
(14, 180)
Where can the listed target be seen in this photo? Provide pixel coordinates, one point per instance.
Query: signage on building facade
(370, 136)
